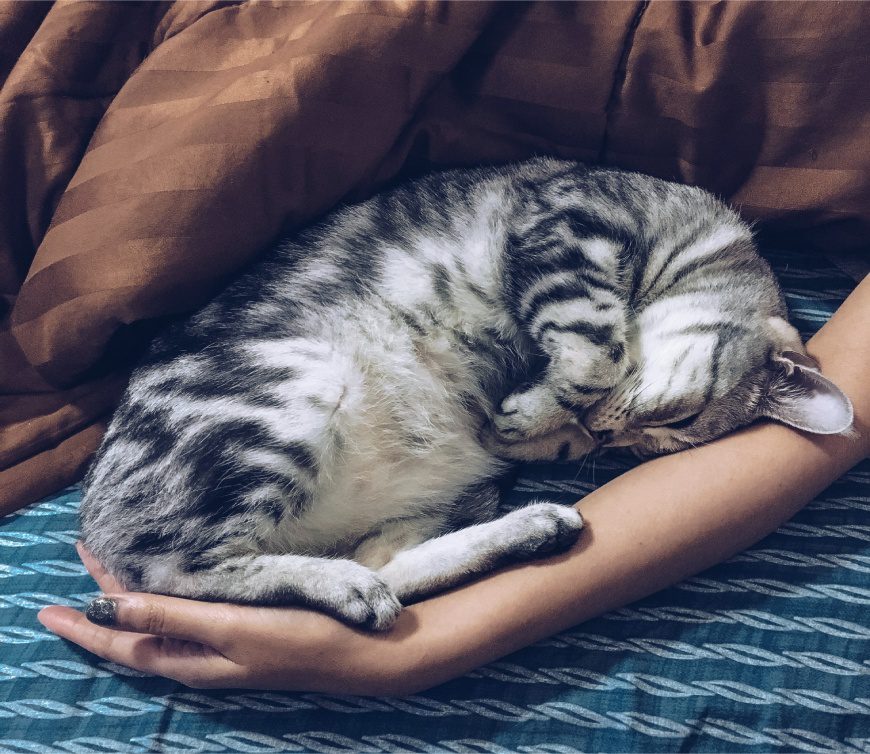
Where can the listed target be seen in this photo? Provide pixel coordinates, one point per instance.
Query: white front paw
(523, 415)
(546, 527)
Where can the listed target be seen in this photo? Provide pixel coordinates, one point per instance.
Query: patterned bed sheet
(768, 652)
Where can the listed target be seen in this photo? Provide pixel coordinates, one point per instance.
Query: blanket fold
(149, 150)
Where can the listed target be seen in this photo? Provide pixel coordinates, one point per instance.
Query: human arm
(651, 527)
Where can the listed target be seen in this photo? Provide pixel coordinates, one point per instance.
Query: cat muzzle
(609, 438)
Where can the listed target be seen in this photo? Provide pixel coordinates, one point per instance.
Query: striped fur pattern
(327, 430)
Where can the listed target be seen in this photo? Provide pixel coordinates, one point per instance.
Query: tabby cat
(327, 430)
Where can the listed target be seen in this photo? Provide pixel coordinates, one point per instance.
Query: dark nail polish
(102, 611)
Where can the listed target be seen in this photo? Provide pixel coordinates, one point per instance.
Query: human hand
(218, 645)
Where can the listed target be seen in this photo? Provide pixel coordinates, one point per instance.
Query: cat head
(684, 391)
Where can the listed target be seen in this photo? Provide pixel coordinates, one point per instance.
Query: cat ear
(803, 398)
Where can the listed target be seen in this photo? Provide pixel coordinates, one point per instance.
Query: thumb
(204, 622)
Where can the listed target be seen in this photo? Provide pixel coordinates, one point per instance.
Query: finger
(208, 623)
(104, 579)
(191, 663)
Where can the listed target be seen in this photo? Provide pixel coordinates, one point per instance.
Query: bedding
(148, 150)
(768, 652)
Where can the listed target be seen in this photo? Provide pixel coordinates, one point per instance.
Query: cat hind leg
(342, 588)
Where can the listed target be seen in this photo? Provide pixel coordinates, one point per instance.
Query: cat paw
(357, 595)
(569, 443)
(492, 441)
(524, 415)
(546, 528)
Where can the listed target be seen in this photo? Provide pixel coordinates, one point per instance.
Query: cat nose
(605, 436)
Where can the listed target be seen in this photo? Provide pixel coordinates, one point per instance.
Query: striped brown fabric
(149, 150)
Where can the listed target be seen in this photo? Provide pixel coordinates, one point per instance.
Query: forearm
(651, 527)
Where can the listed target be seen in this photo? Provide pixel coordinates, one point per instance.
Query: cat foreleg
(477, 504)
(531, 412)
(580, 373)
(570, 442)
(451, 559)
(585, 338)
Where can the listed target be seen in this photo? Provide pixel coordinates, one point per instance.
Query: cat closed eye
(682, 423)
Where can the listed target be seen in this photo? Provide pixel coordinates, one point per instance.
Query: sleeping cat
(327, 430)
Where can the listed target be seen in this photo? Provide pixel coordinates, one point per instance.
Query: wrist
(357, 661)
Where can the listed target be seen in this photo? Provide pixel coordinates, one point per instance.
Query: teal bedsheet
(769, 652)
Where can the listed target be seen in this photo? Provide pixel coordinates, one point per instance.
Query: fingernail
(103, 611)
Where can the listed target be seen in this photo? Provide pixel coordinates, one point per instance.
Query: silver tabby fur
(327, 430)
